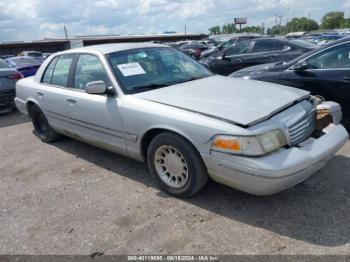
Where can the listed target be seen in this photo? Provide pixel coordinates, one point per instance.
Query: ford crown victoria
(155, 104)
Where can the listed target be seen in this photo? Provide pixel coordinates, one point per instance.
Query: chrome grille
(303, 128)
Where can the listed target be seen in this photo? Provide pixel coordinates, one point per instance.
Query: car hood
(238, 101)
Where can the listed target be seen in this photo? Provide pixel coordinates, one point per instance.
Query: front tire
(42, 126)
(175, 165)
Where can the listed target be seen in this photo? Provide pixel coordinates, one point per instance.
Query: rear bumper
(278, 171)
(7, 100)
(21, 105)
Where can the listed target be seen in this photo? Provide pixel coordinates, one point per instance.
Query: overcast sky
(37, 19)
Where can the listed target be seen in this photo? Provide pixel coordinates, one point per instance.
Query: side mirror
(301, 66)
(224, 57)
(96, 87)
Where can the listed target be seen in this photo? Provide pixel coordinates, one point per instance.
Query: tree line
(331, 20)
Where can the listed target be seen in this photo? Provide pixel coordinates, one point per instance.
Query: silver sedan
(155, 104)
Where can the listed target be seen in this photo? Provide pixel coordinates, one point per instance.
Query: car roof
(270, 38)
(111, 48)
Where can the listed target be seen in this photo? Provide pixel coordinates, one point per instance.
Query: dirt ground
(72, 198)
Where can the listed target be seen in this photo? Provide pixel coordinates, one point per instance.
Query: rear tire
(175, 165)
(42, 126)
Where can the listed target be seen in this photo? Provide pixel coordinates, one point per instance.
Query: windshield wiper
(149, 86)
(189, 80)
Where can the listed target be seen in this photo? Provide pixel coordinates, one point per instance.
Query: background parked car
(7, 56)
(193, 49)
(26, 65)
(216, 49)
(254, 52)
(326, 39)
(35, 54)
(322, 39)
(208, 42)
(325, 72)
(46, 55)
(8, 79)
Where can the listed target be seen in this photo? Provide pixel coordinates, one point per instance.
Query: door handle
(40, 95)
(71, 101)
(347, 78)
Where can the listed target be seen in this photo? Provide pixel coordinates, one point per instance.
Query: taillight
(197, 52)
(16, 76)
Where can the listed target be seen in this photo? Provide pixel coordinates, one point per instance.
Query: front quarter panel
(141, 116)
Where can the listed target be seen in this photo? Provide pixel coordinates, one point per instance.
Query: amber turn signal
(227, 143)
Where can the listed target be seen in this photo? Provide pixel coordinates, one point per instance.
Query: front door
(95, 117)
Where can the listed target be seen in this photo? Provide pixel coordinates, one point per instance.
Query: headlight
(250, 145)
(272, 141)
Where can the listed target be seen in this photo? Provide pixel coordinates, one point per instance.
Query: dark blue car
(26, 65)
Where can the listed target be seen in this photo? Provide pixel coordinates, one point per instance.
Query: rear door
(51, 93)
(328, 75)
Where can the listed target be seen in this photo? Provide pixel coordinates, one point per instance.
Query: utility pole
(65, 32)
(185, 29)
(276, 20)
(280, 25)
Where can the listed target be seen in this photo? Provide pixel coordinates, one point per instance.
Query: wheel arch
(29, 105)
(150, 134)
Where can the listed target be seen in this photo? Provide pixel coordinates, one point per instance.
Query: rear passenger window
(89, 68)
(61, 71)
(48, 72)
(279, 46)
(263, 46)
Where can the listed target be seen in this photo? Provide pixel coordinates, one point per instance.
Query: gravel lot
(72, 198)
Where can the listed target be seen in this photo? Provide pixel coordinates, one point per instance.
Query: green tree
(300, 24)
(333, 20)
(275, 30)
(252, 29)
(229, 28)
(215, 30)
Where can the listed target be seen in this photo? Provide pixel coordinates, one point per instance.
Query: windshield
(304, 43)
(22, 61)
(305, 55)
(36, 55)
(144, 69)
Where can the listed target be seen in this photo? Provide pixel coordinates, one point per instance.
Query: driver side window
(89, 68)
(337, 57)
(239, 48)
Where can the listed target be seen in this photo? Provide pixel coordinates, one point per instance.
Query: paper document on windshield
(131, 69)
